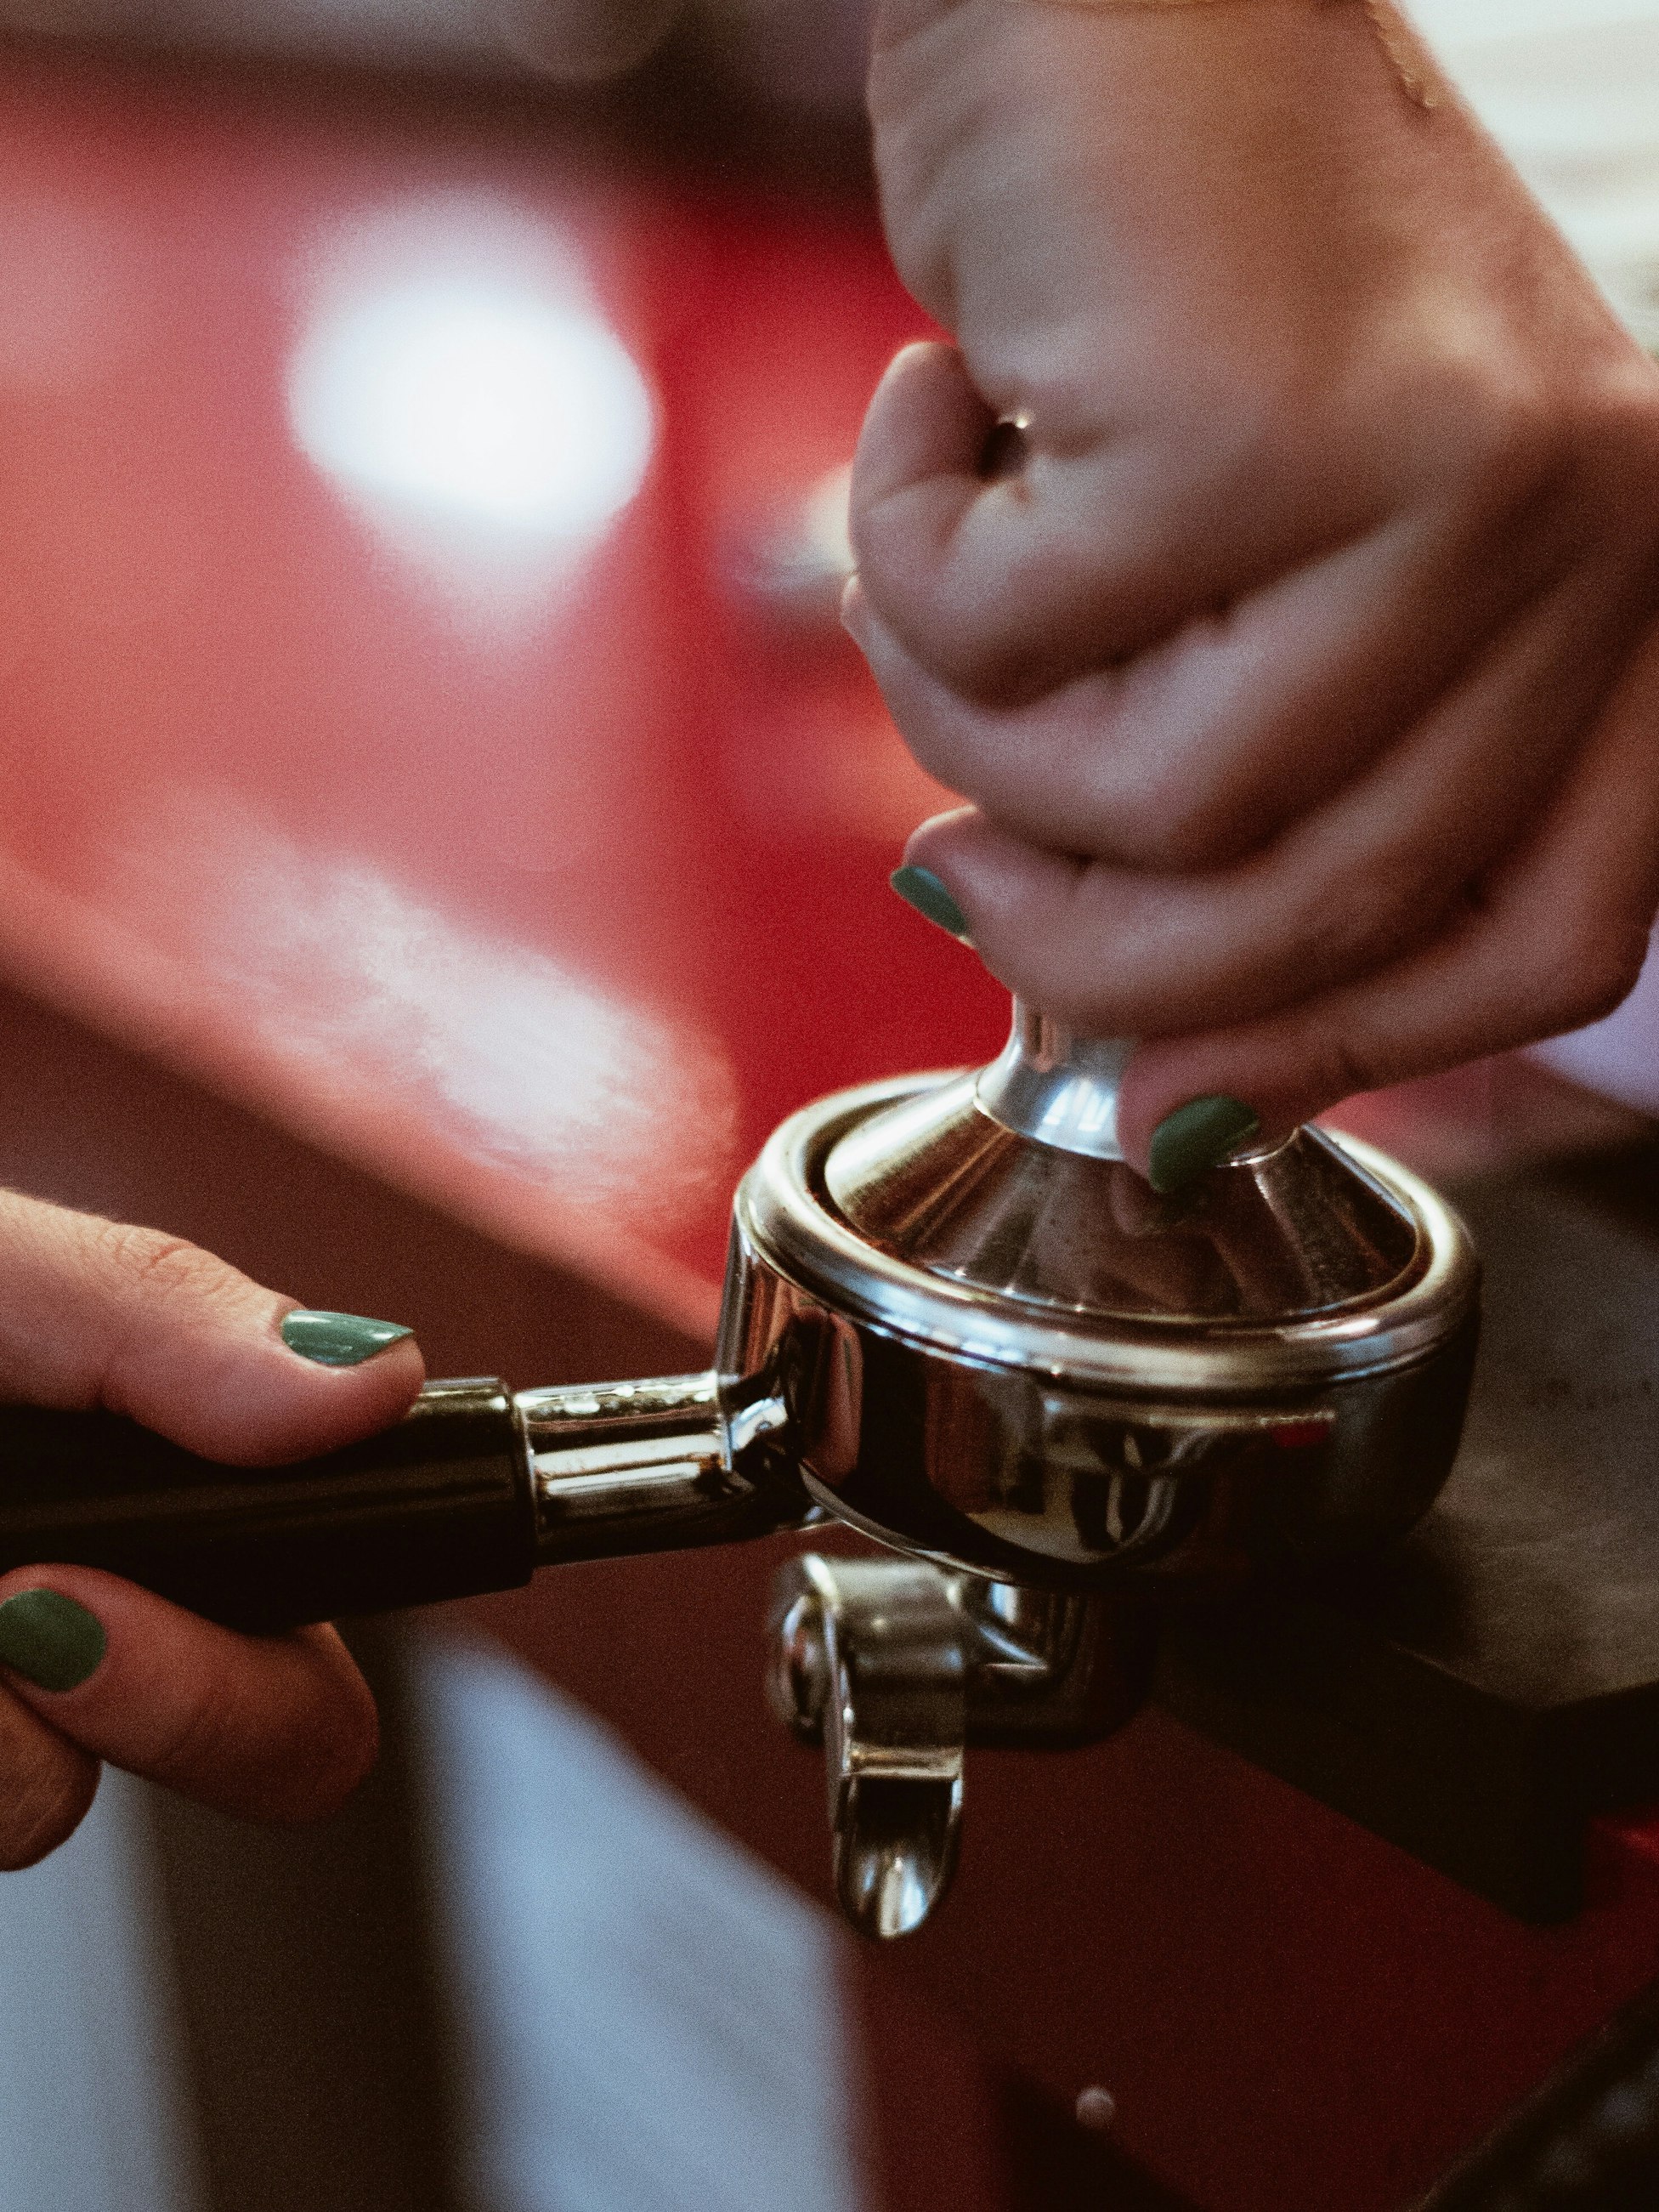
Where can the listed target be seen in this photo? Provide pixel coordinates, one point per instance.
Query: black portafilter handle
(472, 1490)
(440, 1505)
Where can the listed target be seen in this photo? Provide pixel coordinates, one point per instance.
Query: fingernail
(49, 1640)
(921, 888)
(337, 1339)
(1197, 1136)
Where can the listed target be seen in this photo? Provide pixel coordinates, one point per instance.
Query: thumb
(93, 1313)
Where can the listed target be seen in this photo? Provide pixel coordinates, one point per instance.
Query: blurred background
(442, 829)
(1565, 85)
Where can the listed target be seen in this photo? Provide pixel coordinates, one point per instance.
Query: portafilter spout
(953, 1318)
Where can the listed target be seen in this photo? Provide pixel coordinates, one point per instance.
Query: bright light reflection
(827, 525)
(477, 399)
(502, 1053)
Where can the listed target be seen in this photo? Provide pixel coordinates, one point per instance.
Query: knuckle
(352, 1753)
(317, 1766)
(1516, 437)
(152, 1269)
(1356, 921)
(1244, 402)
(1619, 438)
(1270, 403)
(1592, 961)
(1340, 1064)
(151, 1262)
(931, 639)
(1178, 799)
(1150, 803)
(1495, 422)
(879, 526)
(1520, 447)
(288, 1761)
(200, 1737)
(1172, 823)
(1373, 927)
(47, 1789)
(32, 1829)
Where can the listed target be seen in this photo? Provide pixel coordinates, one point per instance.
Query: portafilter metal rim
(785, 1213)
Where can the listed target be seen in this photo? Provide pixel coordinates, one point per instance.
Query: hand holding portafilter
(950, 1317)
(95, 1668)
(954, 1319)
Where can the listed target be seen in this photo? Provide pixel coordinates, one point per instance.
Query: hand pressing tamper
(953, 1319)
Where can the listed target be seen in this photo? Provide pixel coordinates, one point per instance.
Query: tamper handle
(441, 1505)
(1050, 1084)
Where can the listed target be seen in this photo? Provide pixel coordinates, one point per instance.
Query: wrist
(1183, 162)
(1415, 70)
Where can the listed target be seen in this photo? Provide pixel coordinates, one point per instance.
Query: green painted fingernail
(336, 1339)
(921, 888)
(1197, 1136)
(49, 1640)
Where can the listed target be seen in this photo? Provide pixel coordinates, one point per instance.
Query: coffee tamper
(954, 1320)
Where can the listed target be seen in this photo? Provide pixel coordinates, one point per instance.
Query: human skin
(1301, 673)
(278, 1728)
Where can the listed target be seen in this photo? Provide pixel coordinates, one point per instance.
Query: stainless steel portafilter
(955, 1319)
